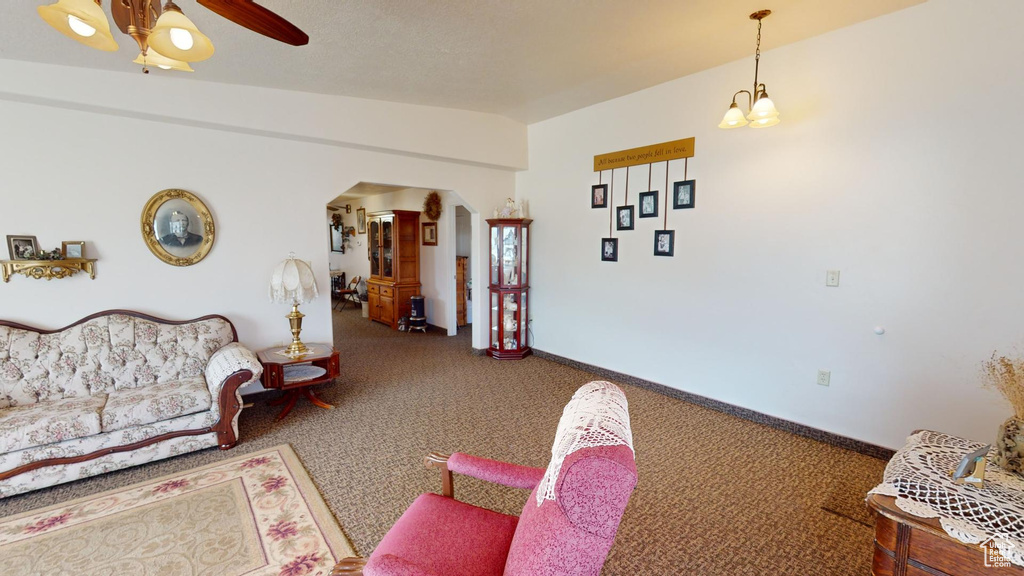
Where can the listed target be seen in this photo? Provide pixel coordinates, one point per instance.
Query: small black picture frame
(599, 196)
(609, 249)
(624, 218)
(664, 242)
(684, 194)
(649, 204)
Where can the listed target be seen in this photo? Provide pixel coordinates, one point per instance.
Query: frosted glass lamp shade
(154, 58)
(82, 20)
(176, 37)
(765, 122)
(293, 282)
(733, 118)
(763, 109)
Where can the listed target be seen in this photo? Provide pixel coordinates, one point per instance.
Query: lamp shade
(176, 37)
(154, 58)
(82, 20)
(733, 118)
(765, 122)
(763, 109)
(293, 282)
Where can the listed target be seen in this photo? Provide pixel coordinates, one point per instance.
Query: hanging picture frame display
(664, 242)
(649, 204)
(430, 233)
(361, 221)
(624, 218)
(599, 196)
(609, 249)
(684, 194)
(177, 227)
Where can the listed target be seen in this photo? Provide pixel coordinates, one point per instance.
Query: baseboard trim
(830, 438)
(479, 351)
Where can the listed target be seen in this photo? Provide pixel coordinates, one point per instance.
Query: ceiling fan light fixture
(154, 58)
(176, 37)
(81, 20)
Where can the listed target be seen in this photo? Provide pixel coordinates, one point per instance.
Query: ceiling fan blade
(258, 19)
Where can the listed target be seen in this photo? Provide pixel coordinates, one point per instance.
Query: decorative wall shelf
(48, 269)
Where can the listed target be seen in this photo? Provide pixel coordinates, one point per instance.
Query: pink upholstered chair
(567, 525)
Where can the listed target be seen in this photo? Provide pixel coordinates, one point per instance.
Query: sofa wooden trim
(229, 405)
(134, 314)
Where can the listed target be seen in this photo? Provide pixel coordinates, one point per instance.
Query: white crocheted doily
(918, 476)
(597, 415)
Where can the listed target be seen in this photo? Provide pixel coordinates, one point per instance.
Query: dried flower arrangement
(1006, 375)
(432, 206)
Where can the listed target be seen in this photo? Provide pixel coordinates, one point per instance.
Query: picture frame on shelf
(361, 221)
(664, 242)
(599, 196)
(74, 249)
(684, 194)
(609, 249)
(22, 247)
(649, 204)
(430, 233)
(624, 218)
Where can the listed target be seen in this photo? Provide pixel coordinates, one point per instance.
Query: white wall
(85, 173)
(895, 162)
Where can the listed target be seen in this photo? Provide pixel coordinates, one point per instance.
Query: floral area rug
(258, 515)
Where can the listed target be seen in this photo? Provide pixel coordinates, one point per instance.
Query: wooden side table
(282, 372)
(908, 545)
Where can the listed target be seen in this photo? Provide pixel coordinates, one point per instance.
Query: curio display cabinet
(509, 288)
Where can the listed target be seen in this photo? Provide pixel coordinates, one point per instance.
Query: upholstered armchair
(566, 527)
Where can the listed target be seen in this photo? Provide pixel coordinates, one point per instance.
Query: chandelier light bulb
(182, 39)
(764, 122)
(79, 27)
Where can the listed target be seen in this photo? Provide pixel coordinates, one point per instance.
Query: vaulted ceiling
(525, 59)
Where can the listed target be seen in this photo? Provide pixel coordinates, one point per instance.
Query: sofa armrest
(504, 473)
(227, 361)
(230, 368)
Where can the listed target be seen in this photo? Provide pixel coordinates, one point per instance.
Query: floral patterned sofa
(115, 390)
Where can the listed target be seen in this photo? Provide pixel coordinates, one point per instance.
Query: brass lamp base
(296, 348)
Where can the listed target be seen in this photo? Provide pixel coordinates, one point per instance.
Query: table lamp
(293, 283)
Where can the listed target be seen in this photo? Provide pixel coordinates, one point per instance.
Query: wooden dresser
(394, 245)
(906, 545)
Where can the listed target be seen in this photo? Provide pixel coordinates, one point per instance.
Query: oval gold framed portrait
(177, 227)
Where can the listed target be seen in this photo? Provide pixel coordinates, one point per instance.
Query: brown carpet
(717, 495)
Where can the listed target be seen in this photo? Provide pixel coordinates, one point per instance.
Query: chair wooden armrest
(440, 460)
(349, 567)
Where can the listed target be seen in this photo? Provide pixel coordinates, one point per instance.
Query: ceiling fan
(166, 37)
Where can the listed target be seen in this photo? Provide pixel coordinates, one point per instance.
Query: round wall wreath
(432, 206)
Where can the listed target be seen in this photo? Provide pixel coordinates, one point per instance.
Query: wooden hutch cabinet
(509, 285)
(394, 245)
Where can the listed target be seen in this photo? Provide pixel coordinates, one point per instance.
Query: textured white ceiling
(525, 59)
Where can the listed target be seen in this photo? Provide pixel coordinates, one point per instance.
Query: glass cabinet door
(510, 321)
(495, 256)
(495, 341)
(510, 255)
(386, 248)
(374, 248)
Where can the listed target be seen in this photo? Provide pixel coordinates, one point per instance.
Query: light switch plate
(832, 278)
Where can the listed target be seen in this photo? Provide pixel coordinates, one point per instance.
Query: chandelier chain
(757, 58)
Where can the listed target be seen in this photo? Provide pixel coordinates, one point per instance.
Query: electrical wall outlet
(832, 278)
(824, 376)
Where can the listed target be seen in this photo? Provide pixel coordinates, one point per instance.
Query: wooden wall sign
(645, 155)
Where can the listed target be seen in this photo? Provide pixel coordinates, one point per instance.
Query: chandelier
(761, 110)
(166, 37)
